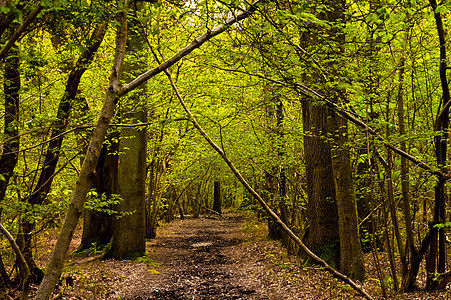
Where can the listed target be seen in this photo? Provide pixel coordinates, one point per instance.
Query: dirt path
(198, 261)
(205, 258)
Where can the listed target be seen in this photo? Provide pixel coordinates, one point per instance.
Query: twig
(214, 212)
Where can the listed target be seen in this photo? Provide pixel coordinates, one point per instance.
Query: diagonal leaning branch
(262, 202)
(18, 33)
(306, 91)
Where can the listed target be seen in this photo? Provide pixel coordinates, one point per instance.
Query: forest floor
(208, 258)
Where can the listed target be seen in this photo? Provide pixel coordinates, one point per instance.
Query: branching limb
(265, 206)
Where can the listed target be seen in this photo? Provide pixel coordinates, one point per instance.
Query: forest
(327, 121)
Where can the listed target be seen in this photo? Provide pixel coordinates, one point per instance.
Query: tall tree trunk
(410, 249)
(275, 181)
(322, 213)
(129, 230)
(10, 153)
(437, 251)
(351, 257)
(11, 87)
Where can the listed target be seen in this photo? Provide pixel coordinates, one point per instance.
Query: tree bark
(11, 86)
(437, 251)
(10, 153)
(129, 230)
(351, 257)
(322, 211)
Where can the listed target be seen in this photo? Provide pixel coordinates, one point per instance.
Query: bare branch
(351, 116)
(263, 204)
(21, 258)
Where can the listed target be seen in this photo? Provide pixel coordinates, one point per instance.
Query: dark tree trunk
(129, 230)
(97, 225)
(11, 86)
(436, 261)
(322, 235)
(217, 197)
(351, 257)
(9, 156)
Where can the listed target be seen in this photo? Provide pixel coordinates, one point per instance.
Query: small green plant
(105, 204)
(286, 266)
(95, 249)
(102, 203)
(148, 261)
(269, 255)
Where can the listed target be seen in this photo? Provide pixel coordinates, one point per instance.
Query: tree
(10, 153)
(43, 185)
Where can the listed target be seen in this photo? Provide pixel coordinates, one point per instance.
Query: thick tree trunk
(10, 153)
(322, 213)
(129, 230)
(11, 87)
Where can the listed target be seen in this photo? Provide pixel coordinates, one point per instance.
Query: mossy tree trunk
(129, 230)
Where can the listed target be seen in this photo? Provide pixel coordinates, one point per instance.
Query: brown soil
(208, 258)
(204, 258)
